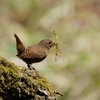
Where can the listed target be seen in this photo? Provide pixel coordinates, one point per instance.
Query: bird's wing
(34, 52)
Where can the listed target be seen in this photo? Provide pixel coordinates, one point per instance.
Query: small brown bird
(35, 53)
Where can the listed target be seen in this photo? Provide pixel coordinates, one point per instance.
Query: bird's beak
(53, 43)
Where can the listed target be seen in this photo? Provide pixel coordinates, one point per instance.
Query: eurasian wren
(35, 53)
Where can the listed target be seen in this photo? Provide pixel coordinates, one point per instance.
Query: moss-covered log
(23, 84)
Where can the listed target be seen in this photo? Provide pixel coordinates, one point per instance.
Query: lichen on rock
(19, 84)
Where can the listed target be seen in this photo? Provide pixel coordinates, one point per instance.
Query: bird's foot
(32, 68)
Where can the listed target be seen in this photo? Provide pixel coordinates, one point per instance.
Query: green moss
(23, 84)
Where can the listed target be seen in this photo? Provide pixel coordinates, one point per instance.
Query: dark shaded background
(77, 24)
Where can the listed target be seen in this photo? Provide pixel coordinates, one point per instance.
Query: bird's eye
(50, 42)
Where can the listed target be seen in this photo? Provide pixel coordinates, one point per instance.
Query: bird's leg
(31, 67)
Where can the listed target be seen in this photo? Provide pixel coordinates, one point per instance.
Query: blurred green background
(77, 24)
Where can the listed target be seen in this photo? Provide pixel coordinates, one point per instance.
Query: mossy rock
(23, 84)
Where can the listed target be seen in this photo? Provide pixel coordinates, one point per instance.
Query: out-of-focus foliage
(77, 24)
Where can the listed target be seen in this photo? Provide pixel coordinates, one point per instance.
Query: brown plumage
(35, 53)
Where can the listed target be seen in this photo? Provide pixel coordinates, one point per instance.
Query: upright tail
(19, 45)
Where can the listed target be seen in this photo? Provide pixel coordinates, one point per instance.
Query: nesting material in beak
(56, 45)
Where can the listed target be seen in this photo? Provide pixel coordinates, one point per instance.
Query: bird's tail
(19, 45)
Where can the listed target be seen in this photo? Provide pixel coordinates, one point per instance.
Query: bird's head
(46, 43)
